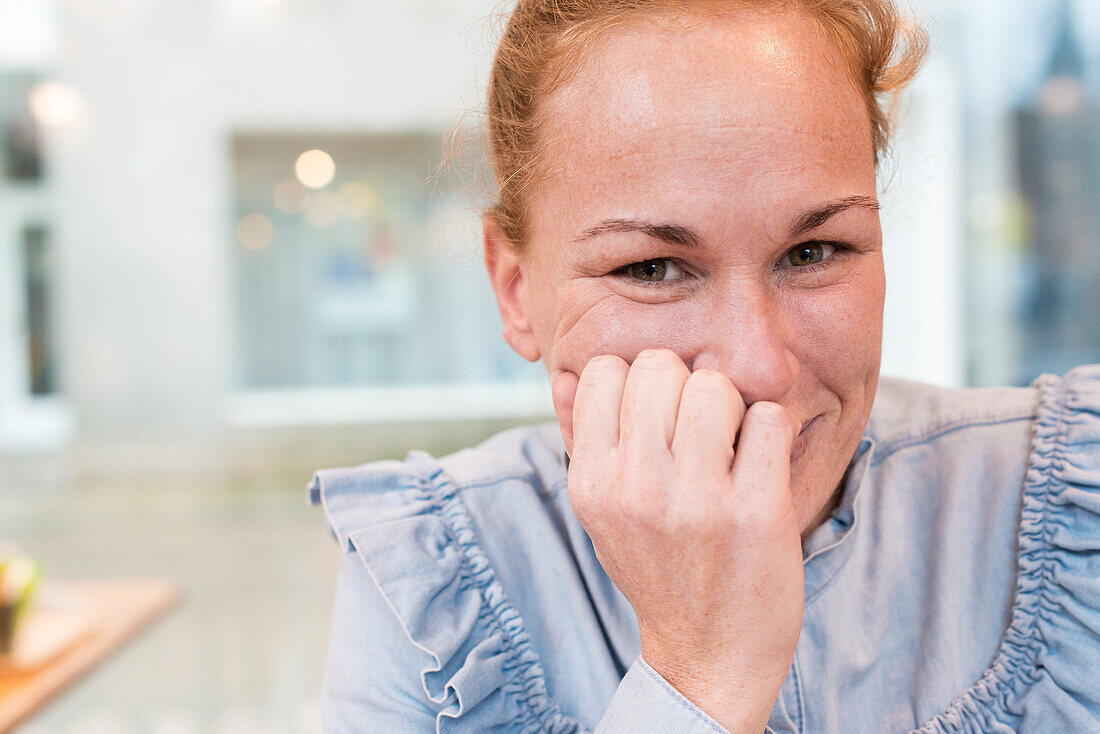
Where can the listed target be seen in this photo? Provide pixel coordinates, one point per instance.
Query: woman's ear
(505, 268)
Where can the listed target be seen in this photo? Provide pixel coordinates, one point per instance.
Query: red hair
(544, 40)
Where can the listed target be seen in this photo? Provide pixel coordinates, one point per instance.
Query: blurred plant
(19, 576)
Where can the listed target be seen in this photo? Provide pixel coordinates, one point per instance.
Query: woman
(719, 534)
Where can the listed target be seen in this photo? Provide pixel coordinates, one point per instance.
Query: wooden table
(121, 608)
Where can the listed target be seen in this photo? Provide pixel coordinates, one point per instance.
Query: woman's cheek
(837, 332)
(624, 328)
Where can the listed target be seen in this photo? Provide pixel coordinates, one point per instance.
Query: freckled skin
(731, 125)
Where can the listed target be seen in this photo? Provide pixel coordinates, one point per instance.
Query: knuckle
(632, 487)
(710, 383)
(660, 358)
(605, 364)
(648, 517)
(584, 502)
(694, 518)
(635, 498)
(769, 415)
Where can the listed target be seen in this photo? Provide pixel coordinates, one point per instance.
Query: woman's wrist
(741, 702)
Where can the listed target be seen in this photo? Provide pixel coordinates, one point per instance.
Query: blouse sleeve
(371, 682)
(1045, 676)
(423, 637)
(363, 690)
(645, 701)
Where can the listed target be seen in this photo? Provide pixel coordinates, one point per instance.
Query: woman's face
(711, 190)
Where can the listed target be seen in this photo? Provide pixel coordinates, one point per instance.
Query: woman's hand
(699, 534)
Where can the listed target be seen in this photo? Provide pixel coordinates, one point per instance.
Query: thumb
(563, 390)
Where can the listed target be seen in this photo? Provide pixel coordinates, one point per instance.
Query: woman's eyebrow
(818, 216)
(674, 234)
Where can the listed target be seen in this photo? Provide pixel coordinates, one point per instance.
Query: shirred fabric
(421, 551)
(1046, 677)
(956, 588)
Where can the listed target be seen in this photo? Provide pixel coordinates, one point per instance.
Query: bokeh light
(360, 199)
(255, 231)
(54, 103)
(1062, 95)
(289, 197)
(315, 169)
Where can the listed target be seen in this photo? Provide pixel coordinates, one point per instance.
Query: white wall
(143, 178)
(922, 197)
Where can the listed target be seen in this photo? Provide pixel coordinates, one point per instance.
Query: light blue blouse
(955, 589)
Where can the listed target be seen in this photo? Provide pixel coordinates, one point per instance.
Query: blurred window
(36, 286)
(19, 134)
(33, 415)
(24, 242)
(357, 266)
(1032, 75)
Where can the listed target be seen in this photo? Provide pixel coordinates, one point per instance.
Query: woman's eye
(654, 271)
(810, 253)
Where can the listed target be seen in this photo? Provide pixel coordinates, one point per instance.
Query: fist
(685, 493)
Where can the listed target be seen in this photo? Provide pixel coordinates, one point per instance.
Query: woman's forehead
(755, 101)
(655, 71)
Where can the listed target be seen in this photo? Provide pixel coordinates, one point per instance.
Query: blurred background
(229, 256)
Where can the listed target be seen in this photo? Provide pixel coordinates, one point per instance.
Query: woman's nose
(747, 340)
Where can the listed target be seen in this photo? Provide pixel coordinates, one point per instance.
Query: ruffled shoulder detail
(1046, 675)
(409, 525)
